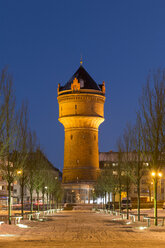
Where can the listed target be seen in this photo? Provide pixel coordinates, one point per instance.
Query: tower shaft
(81, 117)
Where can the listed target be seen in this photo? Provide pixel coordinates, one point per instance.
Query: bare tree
(100, 186)
(22, 149)
(152, 110)
(32, 165)
(8, 136)
(138, 158)
(57, 191)
(40, 172)
(127, 160)
(3, 78)
(119, 169)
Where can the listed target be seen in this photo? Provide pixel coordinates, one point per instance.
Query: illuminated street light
(19, 172)
(160, 174)
(157, 175)
(153, 174)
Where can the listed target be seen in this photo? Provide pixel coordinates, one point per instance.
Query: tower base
(81, 193)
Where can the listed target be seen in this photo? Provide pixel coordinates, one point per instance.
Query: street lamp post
(155, 176)
(47, 196)
(20, 176)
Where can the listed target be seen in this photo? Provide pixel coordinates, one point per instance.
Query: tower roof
(85, 80)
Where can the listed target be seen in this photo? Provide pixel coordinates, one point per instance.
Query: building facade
(110, 160)
(81, 111)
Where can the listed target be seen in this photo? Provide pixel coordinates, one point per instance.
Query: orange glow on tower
(81, 111)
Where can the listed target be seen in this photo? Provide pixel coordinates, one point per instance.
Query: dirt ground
(82, 229)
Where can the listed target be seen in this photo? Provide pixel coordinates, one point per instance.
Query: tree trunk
(57, 202)
(155, 200)
(22, 198)
(38, 201)
(114, 201)
(109, 204)
(104, 200)
(120, 200)
(138, 203)
(31, 200)
(9, 202)
(43, 200)
(50, 201)
(47, 201)
(138, 183)
(127, 200)
(149, 192)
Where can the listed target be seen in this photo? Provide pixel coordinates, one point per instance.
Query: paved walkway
(83, 229)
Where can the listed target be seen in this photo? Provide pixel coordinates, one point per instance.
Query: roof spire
(81, 60)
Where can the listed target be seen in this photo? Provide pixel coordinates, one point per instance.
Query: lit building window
(115, 173)
(114, 164)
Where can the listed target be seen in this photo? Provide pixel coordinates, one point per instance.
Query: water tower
(81, 111)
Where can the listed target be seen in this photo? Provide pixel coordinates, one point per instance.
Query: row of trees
(142, 145)
(40, 177)
(20, 155)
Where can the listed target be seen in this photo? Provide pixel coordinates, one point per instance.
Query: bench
(100, 210)
(115, 213)
(45, 212)
(4, 218)
(162, 223)
(30, 216)
(17, 219)
(148, 219)
(141, 215)
(123, 215)
(37, 214)
(133, 218)
(49, 211)
(52, 211)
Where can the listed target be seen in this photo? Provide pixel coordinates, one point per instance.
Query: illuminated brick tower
(81, 111)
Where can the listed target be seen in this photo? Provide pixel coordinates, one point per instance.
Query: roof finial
(81, 60)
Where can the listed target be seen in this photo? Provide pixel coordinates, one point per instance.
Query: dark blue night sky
(42, 41)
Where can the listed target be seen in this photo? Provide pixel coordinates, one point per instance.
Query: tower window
(81, 83)
(75, 109)
(71, 137)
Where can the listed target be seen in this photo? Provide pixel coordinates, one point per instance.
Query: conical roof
(85, 80)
